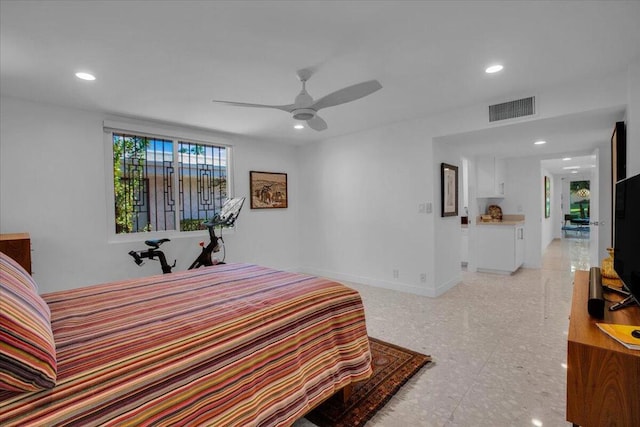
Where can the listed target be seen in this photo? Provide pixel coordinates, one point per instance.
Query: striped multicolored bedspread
(230, 345)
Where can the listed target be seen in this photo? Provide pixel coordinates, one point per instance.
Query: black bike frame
(226, 217)
(204, 259)
(205, 256)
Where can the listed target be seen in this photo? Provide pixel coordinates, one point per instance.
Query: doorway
(576, 210)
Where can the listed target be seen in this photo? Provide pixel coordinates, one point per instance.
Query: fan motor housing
(303, 113)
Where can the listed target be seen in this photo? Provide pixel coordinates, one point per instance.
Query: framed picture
(268, 190)
(547, 197)
(449, 189)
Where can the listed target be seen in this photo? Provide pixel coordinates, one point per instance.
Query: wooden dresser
(18, 247)
(603, 377)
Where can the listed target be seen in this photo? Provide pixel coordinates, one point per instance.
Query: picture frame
(268, 190)
(449, 190)
(547, 197)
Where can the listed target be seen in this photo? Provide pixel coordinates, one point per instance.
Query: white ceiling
(578, 165)
(166, 60)
(574, 135)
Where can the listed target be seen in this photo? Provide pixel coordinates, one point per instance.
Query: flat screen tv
(626, 243)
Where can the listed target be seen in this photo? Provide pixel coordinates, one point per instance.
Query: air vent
(512, 109)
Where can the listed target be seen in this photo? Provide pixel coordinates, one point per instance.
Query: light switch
(429, 207)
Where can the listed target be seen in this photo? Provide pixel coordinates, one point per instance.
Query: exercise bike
(225, 218)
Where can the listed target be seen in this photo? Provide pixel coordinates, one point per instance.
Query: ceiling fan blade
(348, 94)
(317, 123)
(288, 108)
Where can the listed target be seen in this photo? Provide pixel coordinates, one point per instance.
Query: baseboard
(444, 287)
(492, 271)
(394, 286)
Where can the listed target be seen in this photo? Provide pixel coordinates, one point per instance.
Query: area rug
(392, 368)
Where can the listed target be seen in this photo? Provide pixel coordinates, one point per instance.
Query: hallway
(567, 254)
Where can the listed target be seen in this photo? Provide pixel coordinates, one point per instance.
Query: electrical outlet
(396, 273)
(423, 277)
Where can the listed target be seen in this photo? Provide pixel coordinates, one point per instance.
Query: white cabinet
(491, 173)
(500, 248)
(519, 258)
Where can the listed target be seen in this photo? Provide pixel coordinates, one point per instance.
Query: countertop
(506, 220)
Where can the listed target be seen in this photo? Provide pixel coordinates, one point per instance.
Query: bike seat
(155, 243)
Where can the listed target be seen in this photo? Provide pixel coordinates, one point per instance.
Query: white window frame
(168, 133)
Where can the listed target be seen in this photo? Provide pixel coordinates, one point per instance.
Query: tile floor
(498, 345)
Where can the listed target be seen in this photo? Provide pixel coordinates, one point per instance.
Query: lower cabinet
(500, 248)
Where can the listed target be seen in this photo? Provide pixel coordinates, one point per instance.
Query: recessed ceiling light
(85, 76)
(566, 158)
(298, 126)
(494, 69)
(540, 142)
(574, 171)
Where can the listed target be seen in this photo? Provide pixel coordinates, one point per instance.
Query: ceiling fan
(305, 108)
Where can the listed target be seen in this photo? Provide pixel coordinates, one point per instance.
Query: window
(160, 182)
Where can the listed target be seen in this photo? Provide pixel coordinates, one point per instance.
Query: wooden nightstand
(18, 247)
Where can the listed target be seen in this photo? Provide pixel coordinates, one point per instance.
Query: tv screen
(626, 244)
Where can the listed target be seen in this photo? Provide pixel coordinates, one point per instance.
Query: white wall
(633, 118)
(605, 239)
(52, 183)
(353, 199)
(360, 194)
(448, 272)
(359, 203)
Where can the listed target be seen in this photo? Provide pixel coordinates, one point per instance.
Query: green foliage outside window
(129, 151)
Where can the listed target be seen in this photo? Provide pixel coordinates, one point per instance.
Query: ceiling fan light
(298, 126)
(303, 114)
(85, 76)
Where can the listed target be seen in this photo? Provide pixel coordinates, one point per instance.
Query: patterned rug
(392, 368)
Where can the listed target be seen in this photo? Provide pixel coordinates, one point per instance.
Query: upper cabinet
(491, 173)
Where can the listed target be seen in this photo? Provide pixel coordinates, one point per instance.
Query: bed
(229, 345)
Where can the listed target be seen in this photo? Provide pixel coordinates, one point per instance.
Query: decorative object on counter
(449, 189)
(609, 275)
(507, 220)
(547, 197)
(495, 211)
